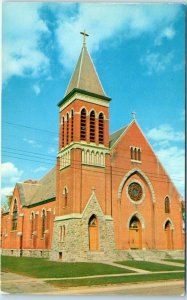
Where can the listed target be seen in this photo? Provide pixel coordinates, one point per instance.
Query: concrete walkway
(141, 271)
(170, 263)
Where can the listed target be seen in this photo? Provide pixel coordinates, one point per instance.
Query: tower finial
(134, 115)
(84, 37)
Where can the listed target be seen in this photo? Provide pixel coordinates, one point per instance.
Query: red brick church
(104, 198)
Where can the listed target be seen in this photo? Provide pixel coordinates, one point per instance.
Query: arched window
(63, 132)
(135, 154)
(83, 125)
(32, 223)
(43, 222)
(67, 130)
(92, 126)
(48, 219)
(167, 205)
(101, 128)
(65, 192)
(131, 152)
(72, 125)
(66, 197)
(139, 155)
(15, 215)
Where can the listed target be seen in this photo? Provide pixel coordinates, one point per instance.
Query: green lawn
(116, 280)
(43, 268)
(149, 266)
(181, 261)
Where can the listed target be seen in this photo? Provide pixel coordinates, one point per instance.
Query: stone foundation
(26, 252)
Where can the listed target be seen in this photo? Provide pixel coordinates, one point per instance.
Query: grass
(116, 280)
(181, 261)
(149, 266)
(43, 268)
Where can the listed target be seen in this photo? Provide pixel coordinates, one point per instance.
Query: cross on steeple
(134, 115)
(84, 37)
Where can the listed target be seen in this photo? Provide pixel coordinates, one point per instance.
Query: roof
(44, 189)
(116, 135)
(85, 76)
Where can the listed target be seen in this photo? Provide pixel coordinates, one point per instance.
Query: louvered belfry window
(83, 125)
(92, 126)
(63, 132)
(67, 130)
(72, 125)
(101, 128)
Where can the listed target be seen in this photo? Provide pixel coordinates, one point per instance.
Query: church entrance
(93, 234)
(168, 231)
(135, 233)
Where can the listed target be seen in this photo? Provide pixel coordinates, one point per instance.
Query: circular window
(135, 191)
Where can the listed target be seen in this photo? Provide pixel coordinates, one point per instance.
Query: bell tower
(83, 155)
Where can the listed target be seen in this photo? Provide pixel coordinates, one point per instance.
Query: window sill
(136, 161)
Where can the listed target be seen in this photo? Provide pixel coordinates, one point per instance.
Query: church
(107, 198)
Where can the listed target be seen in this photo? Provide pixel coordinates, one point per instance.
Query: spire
(85, 76)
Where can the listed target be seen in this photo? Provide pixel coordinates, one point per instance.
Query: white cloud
(170, 151)
(36, 89)
(32, 142)
(167, 33)
(10, 171)
(104, 21)
(173, 159)
(6, 191)
(156, 62)
(10, 174)
(22, 31)
(39, 169)
(165, 133)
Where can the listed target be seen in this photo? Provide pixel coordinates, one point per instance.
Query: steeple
(85, 76)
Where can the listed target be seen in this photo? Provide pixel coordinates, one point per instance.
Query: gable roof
(42, 190)
(116, 135)
(85, 76)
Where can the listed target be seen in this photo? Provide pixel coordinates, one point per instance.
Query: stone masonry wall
(74, 244)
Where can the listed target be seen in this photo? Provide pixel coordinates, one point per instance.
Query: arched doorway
(135, 233)
(168, 231)
(93, 233)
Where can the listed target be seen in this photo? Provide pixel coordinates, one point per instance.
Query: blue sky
(138, 51)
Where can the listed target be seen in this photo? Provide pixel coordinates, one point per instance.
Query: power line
(29, 127)
(40, 156)
(106, 172)
(34, 153)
